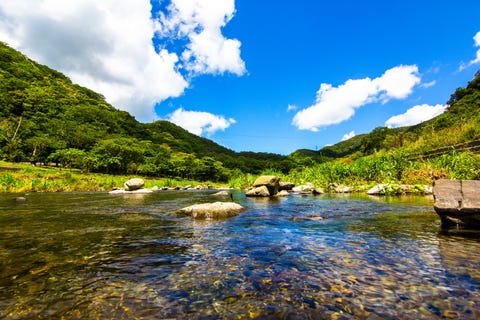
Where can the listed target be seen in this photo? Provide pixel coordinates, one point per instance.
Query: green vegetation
(46, 119)
(392, 167)
(28, 178)
(382, 167)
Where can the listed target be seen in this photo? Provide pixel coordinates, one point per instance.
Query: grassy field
(19, 178)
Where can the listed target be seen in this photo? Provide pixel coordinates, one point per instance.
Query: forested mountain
(44, 117)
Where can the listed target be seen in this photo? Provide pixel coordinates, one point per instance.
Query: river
(101, 256)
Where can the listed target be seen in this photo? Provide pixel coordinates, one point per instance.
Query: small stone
(222, 193)
(283, 193)
(450, 314)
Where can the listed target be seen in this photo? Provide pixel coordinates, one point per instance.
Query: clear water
(100, 256)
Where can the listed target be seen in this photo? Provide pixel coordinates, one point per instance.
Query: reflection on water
(89, 256)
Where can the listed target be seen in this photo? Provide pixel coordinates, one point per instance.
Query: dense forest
(47, 119)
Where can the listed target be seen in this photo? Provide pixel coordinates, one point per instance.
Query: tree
(118, 155)
(374, 141)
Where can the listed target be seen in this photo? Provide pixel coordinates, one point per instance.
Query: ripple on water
(111, 257)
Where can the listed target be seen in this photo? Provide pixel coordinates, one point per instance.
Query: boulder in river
(221, 193)
(335, 188)
(258, 192)
(216, 210)
(308, 188)
(133, 184)
(282, 193)
(271, 182)
(288, 186)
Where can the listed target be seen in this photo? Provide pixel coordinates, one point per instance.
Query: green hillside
(45, 118)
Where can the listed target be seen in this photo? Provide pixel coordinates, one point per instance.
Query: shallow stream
(95, 255)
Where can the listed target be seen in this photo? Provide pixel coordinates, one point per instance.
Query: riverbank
(24, 177)
(18, 178)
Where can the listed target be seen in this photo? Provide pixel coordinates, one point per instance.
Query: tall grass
(391, 167)
(459, 165)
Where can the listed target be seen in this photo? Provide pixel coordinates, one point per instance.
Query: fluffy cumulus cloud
(198, 122)
(349, 135)
(415, 115)
(476, 40)
(200, 22)
(337, 104)
(107, 46)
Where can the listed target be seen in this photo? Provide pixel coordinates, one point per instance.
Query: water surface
(94, 255)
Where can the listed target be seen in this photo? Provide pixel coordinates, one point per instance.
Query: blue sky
(269, 76)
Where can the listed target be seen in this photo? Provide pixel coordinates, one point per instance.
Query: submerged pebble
(111, 257)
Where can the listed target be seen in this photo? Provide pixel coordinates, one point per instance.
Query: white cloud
(107, 46)
(199, 122)
(291, 107)
(416, 115)
(200, 21)
(429, 84)
(337, 104)
(349, 135)
(476, 40)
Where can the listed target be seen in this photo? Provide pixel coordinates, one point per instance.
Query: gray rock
(138, 191)
(282, 193)
(271, 182)
(334, 188)
(258, 192)
(457, 202)
(378, 189)
(216, 210)
(133, 184)
(392, 188)
(307, 188)
(222, 193)
(427, 190)
(288, 186)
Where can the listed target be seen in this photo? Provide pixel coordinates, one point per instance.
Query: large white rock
(216, 210)
(133, 184)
